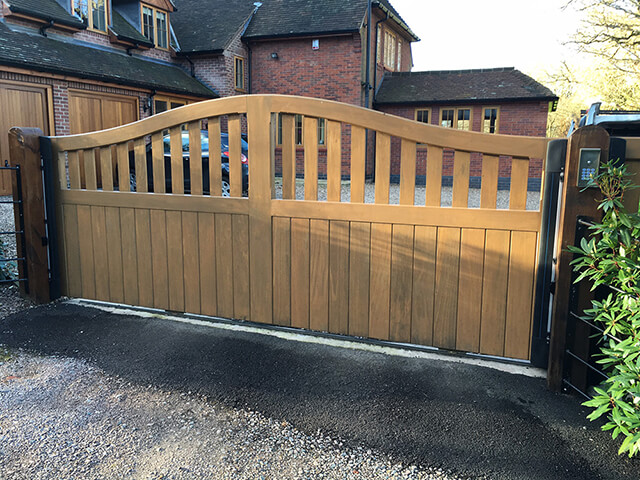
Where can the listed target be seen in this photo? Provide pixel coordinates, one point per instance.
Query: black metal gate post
(556, 157)
(23, 275)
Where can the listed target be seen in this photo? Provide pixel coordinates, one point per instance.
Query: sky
(461, 34)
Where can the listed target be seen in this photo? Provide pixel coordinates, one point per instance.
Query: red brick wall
(525, 118)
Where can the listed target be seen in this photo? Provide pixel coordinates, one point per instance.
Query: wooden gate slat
(494, 295)
(159, 256)
(177, 163)
(85, 241)
(319, 275)
(358, 156)
(157, 159)
(359, 261)
(520, 295)
(380, 280)
(140, 155)
(215, 161)
(91, 177)
(446, 295)
(74, 170)
(288, 157)
(195, 158)
(72, 251)
(461, 164)
(224, 265)
(489, 186)
(106, 169)
(519, 181)
(300, 272)
(129, 256)
(424, 282)
(191, 259)
(334, 160)
(114, 254)
(175, 261)
(401, 283)
(470, 292)
(241, 300)
(282, 271)
(207, 267)
(339, 277)
(383, 168)
(310, 158)
(434, 176)
(407, 172)
(98, 233)
(122, 154)
(62, 165)
(143, 249)
(235, 151)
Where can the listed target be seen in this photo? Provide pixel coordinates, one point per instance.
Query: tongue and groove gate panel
(458, 278)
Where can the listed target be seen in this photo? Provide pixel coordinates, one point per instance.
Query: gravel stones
(63, 418)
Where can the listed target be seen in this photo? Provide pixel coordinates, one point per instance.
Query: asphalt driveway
(476, 421)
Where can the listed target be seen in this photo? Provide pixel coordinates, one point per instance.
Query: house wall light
(274, 55)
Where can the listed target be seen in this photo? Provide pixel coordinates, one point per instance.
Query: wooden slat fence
(456, 277)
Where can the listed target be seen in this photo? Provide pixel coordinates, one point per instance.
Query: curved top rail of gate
(340, 133)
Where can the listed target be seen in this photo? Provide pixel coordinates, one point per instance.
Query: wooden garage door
(21, 105)
(89, 111)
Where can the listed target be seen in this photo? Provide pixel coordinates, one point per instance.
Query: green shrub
(610, 259)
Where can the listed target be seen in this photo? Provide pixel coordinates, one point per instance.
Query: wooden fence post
(574, 203)
(24, 151)
(260, 194)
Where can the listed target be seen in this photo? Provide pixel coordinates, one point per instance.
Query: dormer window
(92, 12)
(155, 26)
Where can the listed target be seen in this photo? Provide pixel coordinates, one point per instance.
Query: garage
(90, 111)
(23, 105)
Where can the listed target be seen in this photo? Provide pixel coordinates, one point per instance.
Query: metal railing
(19, 232)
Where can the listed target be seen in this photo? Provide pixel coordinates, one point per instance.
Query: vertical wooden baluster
(141, 165)
(177, 162)
(461, 165)
(195, 158)
(215, 166)
(310, 158)
(383, 167)
(408, 172)
(106, 169)
(519, 181)
(358, 155)
(123, 167)
(74, 170)
(489, 187)
(434, 176)
(288, 157)
(62, 170)
(334, 160)
(90, 170)
(157, 155)
(235, 151)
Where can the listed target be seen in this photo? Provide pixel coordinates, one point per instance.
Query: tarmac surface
(475, 421)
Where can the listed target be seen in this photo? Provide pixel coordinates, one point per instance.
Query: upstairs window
(239, 73)
(459, 118)
(399, 55)
(389, 50)
(155, 26)
(490, 120)
(422, 115)
(92, 12)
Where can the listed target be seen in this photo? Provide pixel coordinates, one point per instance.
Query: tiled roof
(123, 30)
(460, 86)
(45, 10)
(45, 54)
(209, 26)
(282, 18)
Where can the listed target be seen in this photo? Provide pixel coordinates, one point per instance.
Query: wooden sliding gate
(458, 278)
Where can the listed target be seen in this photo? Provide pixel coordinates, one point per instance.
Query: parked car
(204, 143)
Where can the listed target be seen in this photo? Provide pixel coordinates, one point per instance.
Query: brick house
(83, 65)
